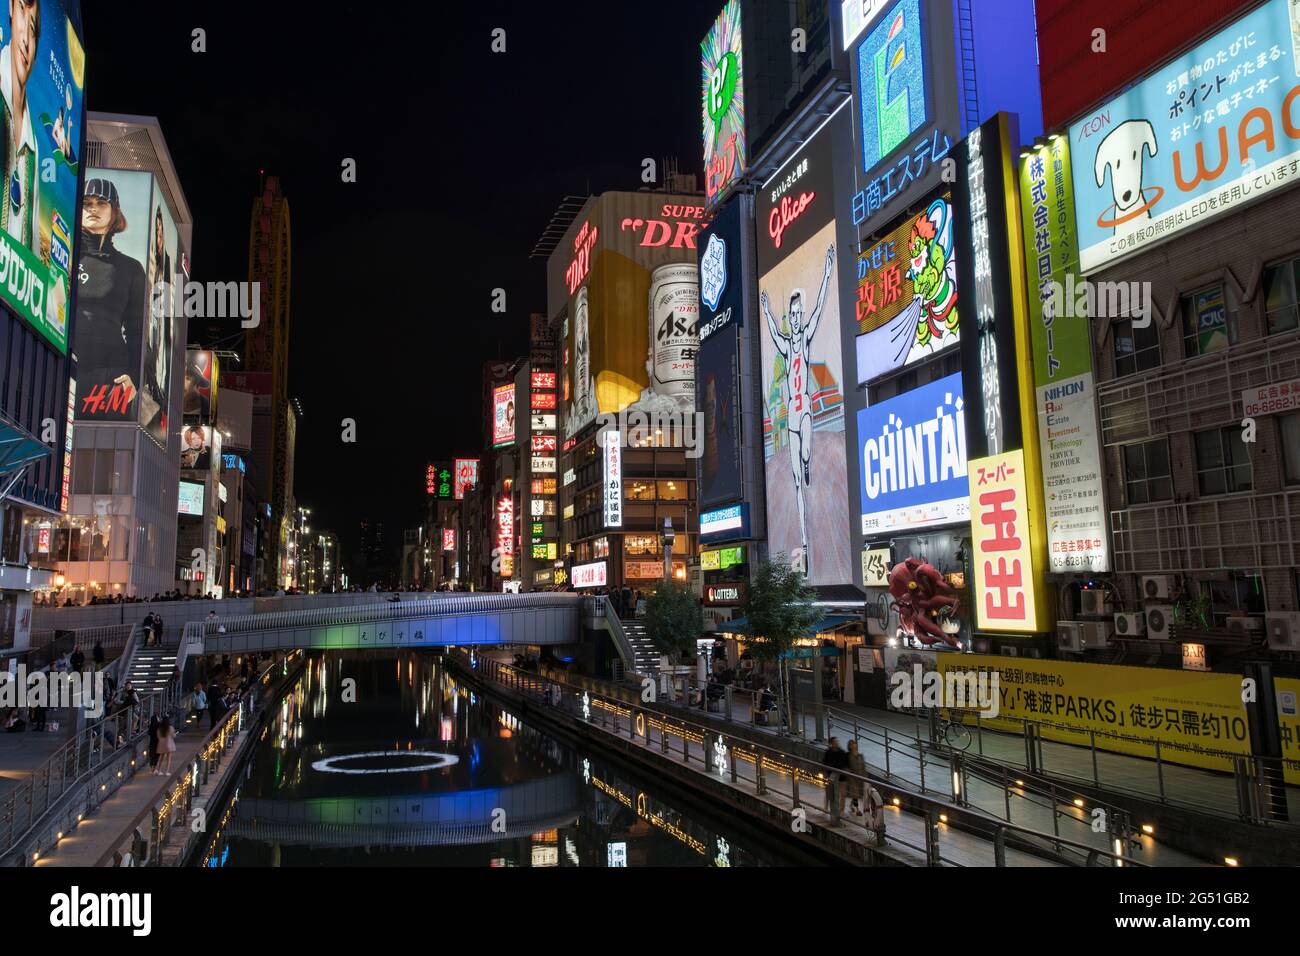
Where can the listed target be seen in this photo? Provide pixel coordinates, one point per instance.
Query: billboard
(612, 479)
(466, 471)
(449, 539)
(162, 267)
(505, 549)
(112, 298)
(438, 481)
(891, 70)
(804, 450)
(503, 416)
(627, 273)
(912, 463)
(196, 447)
(190, 499)
(907, 308)
(44, 66)
(593, 575)
(719, 374)
(1064, 387)
(725, 523)
(1002, 535)
(722, 99)
(1203, 135)
(201, 382)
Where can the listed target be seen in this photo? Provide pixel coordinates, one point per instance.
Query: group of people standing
(864, 800)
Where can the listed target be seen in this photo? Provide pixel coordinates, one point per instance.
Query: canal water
(388, 761)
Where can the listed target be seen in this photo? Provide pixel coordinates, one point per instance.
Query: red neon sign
(787, 212)
(544, 400)
(543, 380)
(581, 264)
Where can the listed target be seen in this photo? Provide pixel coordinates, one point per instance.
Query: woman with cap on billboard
(111, 299)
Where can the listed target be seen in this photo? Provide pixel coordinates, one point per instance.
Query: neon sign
(581, 264)
(506, 534)
(785, 213)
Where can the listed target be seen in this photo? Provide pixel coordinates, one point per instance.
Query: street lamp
(668, 536)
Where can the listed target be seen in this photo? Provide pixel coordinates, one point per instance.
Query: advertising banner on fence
(44, 69)
(1069, 442)
(1202, 136)
(1196, 717)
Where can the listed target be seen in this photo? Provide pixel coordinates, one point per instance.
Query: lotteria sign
(589, 575)
(913, 459)
(725, 523)
(1205, 134)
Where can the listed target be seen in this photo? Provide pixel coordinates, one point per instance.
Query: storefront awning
(18, 448)
(828, 623)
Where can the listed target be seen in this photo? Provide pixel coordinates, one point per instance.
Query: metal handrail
(605, 608)
(25, 809)
(810, 771)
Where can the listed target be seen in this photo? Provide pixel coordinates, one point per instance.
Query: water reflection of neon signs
(586, 706)
(444, 728)
(720, 754)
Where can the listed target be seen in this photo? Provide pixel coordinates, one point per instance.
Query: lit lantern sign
(612, 468)
(543, 380)
(543, 465)
(449, 539)
(1001, 532)
(466, 476)
(506, 535)
(544, 400)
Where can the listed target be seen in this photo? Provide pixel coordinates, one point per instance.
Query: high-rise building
(266, 351)
(37, 326)
(119, 535)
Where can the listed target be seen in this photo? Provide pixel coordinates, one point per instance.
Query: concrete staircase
(151, 668)
(643, 649)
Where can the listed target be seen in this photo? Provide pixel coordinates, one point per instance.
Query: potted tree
(674, 622)
(778, 610)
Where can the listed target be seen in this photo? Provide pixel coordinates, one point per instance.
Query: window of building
(1147, 477)
(1222, 464)
(672, 491)
(641, 544)
(1289, 426)
(1209, 321)
(600, 547)
(1136, 349)
(639, 489)
(1280, 301)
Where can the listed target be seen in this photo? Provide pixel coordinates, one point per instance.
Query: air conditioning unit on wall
(1069, 636)
(1155, 586)
(1094, 601)
(1283, 630)
(1096, 634)
(1130, 625)
(1245, 625)
(1160, 622)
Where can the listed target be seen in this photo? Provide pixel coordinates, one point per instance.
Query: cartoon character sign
(907, 305)
(920, 595)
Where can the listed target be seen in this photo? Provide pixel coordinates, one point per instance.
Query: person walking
(856, 783)
(166, 746)
(837, 759)
(200, 704)
(155, 725)
(876, 814)
(78, 659)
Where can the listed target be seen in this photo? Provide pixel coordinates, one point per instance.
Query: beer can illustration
(674, 331)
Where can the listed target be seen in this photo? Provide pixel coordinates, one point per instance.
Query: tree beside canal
(778, 610)
(674, 620)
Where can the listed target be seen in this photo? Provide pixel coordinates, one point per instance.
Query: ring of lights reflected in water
(438, 762)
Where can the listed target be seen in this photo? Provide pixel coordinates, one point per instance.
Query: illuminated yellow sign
(1288, 717)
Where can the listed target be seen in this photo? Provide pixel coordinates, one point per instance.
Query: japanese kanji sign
(1005, 576)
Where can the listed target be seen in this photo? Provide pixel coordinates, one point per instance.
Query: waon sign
(1007, 584)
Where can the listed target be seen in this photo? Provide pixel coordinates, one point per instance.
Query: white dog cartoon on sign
(1122, 152)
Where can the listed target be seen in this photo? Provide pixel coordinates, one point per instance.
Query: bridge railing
(786, 773)
(599, 607)
(431, 606)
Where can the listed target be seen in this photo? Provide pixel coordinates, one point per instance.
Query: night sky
(462, 156)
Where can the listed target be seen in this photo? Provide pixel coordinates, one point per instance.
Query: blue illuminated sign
(912, 459)
(725, 523)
